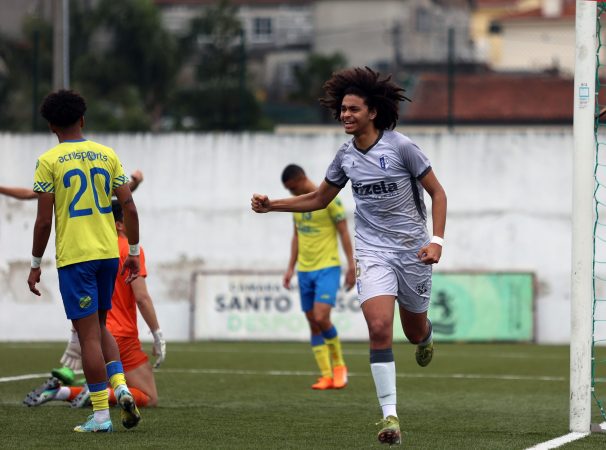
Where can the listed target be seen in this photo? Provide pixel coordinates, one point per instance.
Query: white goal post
(582, 217)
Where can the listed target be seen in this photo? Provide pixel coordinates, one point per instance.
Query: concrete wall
(509, 198)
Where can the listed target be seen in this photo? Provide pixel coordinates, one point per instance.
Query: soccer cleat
(44, 393)
(424, 354)
(65, 375)
(323, 383)
(129, 413)
(82, 399)
(390, 431)
(340, 377)
(91, 426)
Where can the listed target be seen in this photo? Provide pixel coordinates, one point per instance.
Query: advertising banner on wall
(464, 307)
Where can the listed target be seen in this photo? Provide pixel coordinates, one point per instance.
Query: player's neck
(69, 136)
(367, 138)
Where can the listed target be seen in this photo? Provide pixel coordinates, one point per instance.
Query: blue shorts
(319, 286)
(87, 287)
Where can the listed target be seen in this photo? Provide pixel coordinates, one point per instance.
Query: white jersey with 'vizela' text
(385, 180)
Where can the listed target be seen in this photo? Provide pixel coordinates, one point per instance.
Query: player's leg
(143, 385)
(378, 312)
(77, 283)
(414, 291)
(106, 277)
(138, 371)
(327, 286)
(417, 328)
(318, 346)
(93, 365)
(377, 289)
(52, 390)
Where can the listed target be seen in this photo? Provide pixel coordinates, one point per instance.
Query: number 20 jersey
(82, 175)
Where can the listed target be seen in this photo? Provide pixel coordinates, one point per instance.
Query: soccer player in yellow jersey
(314, 251)
(76, 179)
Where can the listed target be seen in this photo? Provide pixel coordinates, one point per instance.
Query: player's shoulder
(396, 139)
(98, 147)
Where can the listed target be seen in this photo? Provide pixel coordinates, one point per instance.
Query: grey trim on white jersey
(385, 179)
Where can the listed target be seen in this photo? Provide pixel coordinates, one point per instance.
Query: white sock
(384, 375)
(63, 393)
(101, 415)
(119, 389)
(389, 410)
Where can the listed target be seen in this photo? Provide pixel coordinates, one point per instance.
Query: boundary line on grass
(456, 376)
(558, 442)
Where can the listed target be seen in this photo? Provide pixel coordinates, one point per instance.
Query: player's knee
(322, 320)
(152, 401)
(379, 330)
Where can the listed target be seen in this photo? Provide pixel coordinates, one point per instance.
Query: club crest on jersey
(85, 302)
(384, 162)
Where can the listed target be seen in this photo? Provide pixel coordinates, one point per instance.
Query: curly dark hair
(63, 108)
(379, 93)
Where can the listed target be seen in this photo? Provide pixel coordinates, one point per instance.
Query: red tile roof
(493, 98)
(568, 12)
(233, 2)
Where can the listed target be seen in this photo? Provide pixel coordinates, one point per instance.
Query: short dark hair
(292, 171)
(63, 108)
(379, 93)
(117, 211)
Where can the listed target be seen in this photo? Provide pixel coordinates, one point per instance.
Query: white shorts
(400, 274)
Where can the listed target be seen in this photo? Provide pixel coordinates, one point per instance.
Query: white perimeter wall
(509, 208)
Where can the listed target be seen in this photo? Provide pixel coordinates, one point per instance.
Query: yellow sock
(100, 399)
(323, 359)
(115, 373)
(334, 345)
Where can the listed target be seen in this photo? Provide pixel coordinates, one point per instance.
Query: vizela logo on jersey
(375, 189)
(91, 156)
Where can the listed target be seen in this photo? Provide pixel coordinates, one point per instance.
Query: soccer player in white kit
(394, 252)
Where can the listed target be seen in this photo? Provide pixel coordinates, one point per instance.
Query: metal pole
(451, 73)
(582, 218)
(35, 78)
(60, 44)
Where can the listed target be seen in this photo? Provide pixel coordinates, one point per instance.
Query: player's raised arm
(18, 192)
(313, 201)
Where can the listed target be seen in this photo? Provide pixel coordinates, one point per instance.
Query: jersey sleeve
(118, 176)
(414, 159)
(335, 174)
(336, 211)
(43, 177)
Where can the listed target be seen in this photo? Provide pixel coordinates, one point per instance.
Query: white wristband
(437, 240)
(36, 261)
(133, 250)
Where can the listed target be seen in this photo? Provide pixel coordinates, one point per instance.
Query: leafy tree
(129, 66)
(310, 78)
(219, 97)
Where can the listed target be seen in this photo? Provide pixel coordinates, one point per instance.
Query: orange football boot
(323, 383)
(340, 377)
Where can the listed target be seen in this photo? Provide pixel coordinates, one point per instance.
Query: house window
(423, 20)
(262, 29)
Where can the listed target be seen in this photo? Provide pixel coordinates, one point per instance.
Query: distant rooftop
(493, 98)
(233, 2)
